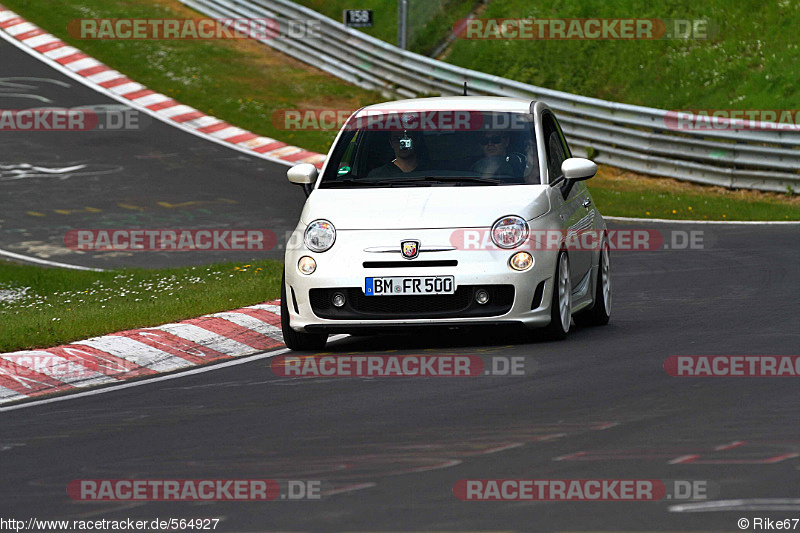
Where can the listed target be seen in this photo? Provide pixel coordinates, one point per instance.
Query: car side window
(554, 148)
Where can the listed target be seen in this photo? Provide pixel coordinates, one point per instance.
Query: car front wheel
(599, 314)
(561, 302)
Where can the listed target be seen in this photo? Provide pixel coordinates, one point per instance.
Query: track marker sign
(357, 18)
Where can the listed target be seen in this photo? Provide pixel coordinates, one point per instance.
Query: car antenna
(465, 88)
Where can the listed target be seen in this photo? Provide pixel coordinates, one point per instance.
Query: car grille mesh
(460, 304)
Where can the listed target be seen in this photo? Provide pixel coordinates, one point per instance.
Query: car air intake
(461, 304)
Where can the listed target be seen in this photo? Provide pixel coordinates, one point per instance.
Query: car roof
(456, 103)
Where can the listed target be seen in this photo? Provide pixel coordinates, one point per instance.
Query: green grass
(753, 62)
(242, 82)
(56, 306)
(626, 194)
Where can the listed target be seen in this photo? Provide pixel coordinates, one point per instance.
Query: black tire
(296, 340)
(556, 330)
(600, 312)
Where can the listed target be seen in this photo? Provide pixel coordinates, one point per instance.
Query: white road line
(683, 459)
(728, 222)
(30, 259)
(763, 504)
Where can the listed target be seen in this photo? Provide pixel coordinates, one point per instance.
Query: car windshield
(430, 149)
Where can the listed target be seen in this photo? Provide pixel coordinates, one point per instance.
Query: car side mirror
(304, 174)
(578, 169)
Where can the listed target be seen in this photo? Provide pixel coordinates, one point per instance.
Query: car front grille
(459, 305)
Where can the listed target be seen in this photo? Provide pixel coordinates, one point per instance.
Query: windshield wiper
(468, 179)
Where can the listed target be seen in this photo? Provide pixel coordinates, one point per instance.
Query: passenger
(495, 160)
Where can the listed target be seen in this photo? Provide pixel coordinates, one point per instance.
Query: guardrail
(626, 136)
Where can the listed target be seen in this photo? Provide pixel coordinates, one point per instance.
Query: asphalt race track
(603, 391)
(598, 406)
(154, 177)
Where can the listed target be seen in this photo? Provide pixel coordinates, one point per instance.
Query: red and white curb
(140, 352)
(79, 66)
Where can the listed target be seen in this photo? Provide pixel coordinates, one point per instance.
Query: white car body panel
(380, 218)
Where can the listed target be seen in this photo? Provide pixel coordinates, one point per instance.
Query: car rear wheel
(561, 303)
(296, 340)
(600, 313)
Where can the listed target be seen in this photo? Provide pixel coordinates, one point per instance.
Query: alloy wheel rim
(605, 278)
(564, 296)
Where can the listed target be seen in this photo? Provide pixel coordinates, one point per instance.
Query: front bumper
(515, 297)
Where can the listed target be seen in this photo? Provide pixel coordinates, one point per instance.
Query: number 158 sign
(358, 18)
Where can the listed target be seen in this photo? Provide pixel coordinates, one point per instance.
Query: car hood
(424, 207)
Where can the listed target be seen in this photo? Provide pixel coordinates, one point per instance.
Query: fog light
(521, 261)
(306, 265)
(338, 299)
(482, 297)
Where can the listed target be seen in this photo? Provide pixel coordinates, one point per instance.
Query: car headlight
(509, 232)
(320, 236)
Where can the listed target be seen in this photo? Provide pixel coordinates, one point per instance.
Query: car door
(575, 213)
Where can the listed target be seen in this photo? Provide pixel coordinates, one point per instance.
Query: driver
(407, 152)
(495, 160)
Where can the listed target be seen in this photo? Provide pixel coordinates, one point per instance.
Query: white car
(449, 211)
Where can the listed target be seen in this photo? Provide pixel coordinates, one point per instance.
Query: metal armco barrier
(627, 136)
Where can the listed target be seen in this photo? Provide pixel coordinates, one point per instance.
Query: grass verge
(627, 194)
(750, 61)
(41, 307)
